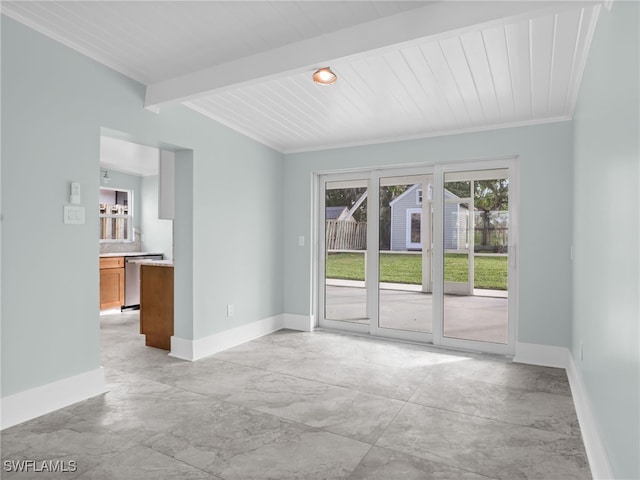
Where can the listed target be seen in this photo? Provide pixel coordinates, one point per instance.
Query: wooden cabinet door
(111, 262)
(111, 287)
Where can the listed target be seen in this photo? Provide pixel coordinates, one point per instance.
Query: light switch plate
(73, 215)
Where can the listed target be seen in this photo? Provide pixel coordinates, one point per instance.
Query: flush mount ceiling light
(324, 76)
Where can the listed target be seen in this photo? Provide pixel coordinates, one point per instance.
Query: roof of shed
(332, 213)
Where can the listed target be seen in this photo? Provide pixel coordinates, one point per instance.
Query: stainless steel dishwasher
(132, 280)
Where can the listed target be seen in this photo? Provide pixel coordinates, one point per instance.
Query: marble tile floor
(319, 405)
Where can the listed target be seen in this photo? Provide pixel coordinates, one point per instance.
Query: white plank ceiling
(452, 75)
(127, 157)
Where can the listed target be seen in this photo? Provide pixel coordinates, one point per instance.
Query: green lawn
(490, 272)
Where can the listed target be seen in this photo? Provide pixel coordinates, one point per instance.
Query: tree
(347, 197)
(488, 196)
(459, 189)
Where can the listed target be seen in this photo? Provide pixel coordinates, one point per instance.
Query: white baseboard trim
(561, 357)
(192, 350)
(304, 323)
(596, 453)
(543, 355)
(32, 403)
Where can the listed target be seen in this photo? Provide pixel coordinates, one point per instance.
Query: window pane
(491, 202)
(456, 267)
(415, 228)
(476, 259)
(404, 290)
(116, 221)
(345, 246)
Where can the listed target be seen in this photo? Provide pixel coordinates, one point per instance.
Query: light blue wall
(183, 247)
(157, 234)
(545, 162)
(606, 279)
(55, 105)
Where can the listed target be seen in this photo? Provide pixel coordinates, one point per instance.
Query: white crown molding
(365, 142)
(32, 403)
(484, 128)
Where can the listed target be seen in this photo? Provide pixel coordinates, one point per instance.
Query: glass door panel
(345, 247)
(476, 233)
(457, 238)
(421, 254)
(405, 247)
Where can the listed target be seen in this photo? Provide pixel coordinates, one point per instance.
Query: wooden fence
(343, 235)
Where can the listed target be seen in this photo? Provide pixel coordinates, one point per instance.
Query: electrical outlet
(230, 310)
(301, 241)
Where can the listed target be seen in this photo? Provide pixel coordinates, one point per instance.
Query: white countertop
(158, 263)
(128, 254)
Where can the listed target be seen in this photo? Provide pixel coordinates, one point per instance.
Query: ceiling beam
(437, 19)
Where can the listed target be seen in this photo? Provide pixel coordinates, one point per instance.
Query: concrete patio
(482, 316)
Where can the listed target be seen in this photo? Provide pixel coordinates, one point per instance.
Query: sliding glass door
(424, 254)
(343, 230)
(404, 283)
(476, 231)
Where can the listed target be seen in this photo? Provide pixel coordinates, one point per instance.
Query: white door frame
(467, 169)
(395, 176)
(372, 178)
(360, 178)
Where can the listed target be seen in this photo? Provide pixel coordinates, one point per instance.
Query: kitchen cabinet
(111, 282)
(156, 304)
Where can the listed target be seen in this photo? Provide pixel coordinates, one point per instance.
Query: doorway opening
(139, 236)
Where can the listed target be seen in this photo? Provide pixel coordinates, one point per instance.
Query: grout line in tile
(503, 422)
(457, 467)
(405, 402)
